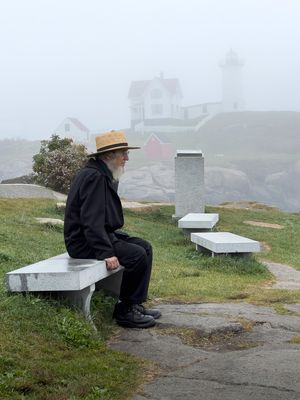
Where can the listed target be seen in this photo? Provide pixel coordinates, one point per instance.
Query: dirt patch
(247, 205)
(264, 224)
(139, 206)
(222, 342)
(265, 248)
(295, 339)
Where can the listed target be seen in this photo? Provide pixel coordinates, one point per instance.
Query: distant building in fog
(74, 129)
(158, 147)
(232, 84)
(156, 99)
(197, 110)
(155, 105)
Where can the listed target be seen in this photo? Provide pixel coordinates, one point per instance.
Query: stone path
(286, 276)
(222, 351)
(218, 352)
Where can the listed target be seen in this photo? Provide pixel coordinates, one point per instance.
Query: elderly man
(93, 218)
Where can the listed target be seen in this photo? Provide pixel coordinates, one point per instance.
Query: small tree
(58, 162)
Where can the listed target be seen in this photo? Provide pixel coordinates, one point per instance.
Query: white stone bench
(198, 222)
(70, 278)
(224, 243)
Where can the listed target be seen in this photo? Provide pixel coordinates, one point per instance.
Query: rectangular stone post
(189, 183)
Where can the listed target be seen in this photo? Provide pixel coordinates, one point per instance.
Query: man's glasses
(124, 153)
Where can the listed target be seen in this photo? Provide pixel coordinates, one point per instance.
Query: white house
(74, 129)
(155, 99)
(155, 105)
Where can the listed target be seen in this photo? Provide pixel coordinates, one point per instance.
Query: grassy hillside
(50, 352)
(246, 133)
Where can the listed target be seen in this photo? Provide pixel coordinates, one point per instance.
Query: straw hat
(113, 140)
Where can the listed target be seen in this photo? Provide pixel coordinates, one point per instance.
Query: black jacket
(93, 213)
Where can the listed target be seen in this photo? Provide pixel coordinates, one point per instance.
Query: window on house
(156, 93)
(67, 128)
(157, 109)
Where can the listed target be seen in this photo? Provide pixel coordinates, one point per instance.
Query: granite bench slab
(224, 243)
(198, 222)
(71, 278)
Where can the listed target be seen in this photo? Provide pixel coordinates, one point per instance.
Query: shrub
(58, 162)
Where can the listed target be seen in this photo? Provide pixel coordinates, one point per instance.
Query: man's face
(116, 161)
(120, 157)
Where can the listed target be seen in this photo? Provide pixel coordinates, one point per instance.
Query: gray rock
(29, 191)
(270, 370)
(50, 221)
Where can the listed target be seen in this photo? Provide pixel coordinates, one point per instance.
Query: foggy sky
(76, 58)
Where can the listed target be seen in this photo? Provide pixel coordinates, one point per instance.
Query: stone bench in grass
(224, 243)
(69, 278)
(198, 222)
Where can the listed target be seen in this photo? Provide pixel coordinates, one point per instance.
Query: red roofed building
(158, 147)
(156, 99)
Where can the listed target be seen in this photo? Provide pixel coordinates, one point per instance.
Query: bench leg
(202, 249)
(111, 284)
(81, 299)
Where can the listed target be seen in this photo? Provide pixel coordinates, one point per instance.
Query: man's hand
(112, 263)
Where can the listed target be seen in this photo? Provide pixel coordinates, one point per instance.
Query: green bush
(58, 162)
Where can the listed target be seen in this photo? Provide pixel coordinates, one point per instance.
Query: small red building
(158, 147)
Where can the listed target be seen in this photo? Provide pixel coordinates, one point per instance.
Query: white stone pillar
(189, 183)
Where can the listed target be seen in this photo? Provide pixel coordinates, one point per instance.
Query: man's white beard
(116, 172)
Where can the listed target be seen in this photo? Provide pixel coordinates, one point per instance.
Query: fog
(75, 58)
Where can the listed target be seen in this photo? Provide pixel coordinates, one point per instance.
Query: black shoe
(133, 318)
(153, 312)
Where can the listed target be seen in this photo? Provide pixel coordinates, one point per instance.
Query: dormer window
(156, 93)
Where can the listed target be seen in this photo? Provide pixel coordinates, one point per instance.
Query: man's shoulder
(92, 168)
(88, 174)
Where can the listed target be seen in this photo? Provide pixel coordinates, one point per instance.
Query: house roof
(163, 139)
(79, 124)
(137, 88)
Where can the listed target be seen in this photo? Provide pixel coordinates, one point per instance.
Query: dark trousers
(135, 255)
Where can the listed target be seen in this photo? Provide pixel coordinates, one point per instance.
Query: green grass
(48, 351)
(284, 243)
(181, 273)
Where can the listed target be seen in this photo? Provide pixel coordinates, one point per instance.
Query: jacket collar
(100, 165)
(103, 168)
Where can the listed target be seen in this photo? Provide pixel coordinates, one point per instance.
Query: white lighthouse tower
(232, 99)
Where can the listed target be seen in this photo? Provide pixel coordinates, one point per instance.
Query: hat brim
(113, 149)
